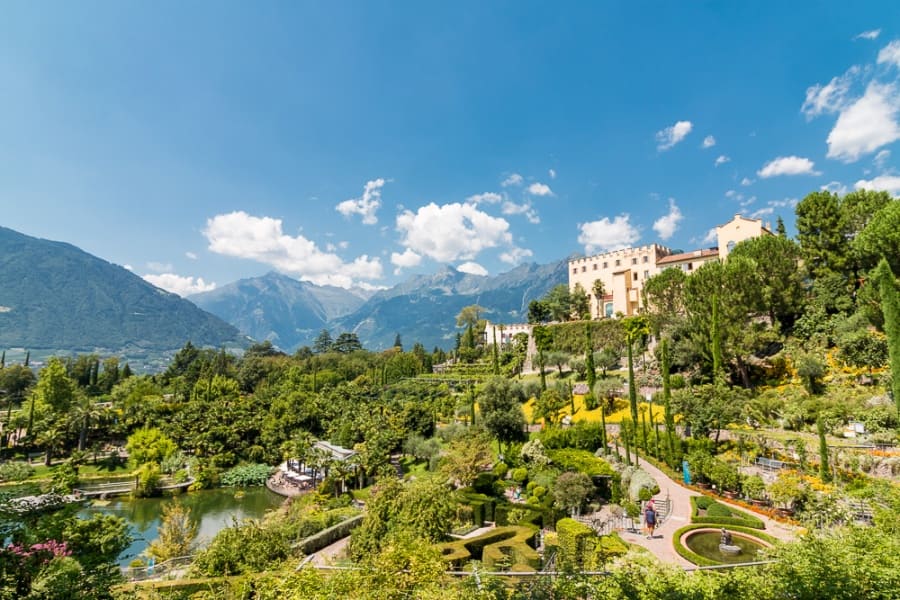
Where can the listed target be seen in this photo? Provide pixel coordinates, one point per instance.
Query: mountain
(278, 308)
(54, 296)
(424, 308)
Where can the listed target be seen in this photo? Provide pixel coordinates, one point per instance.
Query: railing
(158, 570)
(126, 487)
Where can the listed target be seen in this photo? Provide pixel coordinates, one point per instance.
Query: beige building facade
(623, 272)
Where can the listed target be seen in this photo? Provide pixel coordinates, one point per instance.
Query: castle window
(605, 265)
(645, 258)
(646, 274)
(575, 271)
(583, 268)
(634, 260)
(595, 266)
(618, 262)
(635, 277)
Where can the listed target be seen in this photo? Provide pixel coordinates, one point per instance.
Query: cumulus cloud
(158, 267)
(405, 260)
(485, 198)
(667, 225)
(670, 136)
(366, 205)
(472, 268)
(831, 97)
(835, 187)
(887, 183)
(866, 124)
(711, 237)
(191, 255)
(709, 141)
(452, 231)
(788, 165)
(515, 255)
(746, 181)
(511, 208)
(512, 179)
(607, 235)
(722, 159)
(177, 284)
(540, 189)
(262, 239)
(868, 35)
(552, 173)
(890, 54)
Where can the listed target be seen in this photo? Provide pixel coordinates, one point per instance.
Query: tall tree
(782, 292)
(559, 302)
(543, 338)
(821, 233)
(500, 402)
(580, 303)
(323, 342)
(890, 305)
(599, 291)
(636, 329)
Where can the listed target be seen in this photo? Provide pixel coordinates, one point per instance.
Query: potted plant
(726, 477)
(786, 492)
(699, 463)
(755, 488)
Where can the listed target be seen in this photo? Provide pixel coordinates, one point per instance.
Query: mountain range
(422, 309)
(56, 298)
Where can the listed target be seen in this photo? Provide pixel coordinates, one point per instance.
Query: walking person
(650, 519)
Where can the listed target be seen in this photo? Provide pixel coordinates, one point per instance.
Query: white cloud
(128, 267)
(868, 35)
(511, 208)
(472, 268)
(787, 202)
(608, 235)
(262, 239)
(835, 187)
(666, 225)
(515, 255)
(831, 97)
(366, 205)
(887, 183)
(452, 231)
(513, 179)
(407, 259)
(788, 165)
(746, 181)
(711, 237)
(722, 159)
(747, 202)
(670, 136)
(158, 267)
(540, 189)
(733, 194)
(890, 54)
(343, 245)
(191, 255)
(486, 198)
(709, 141)
(762, 212)
(867, 124)
(881, 158)
(177, 284)
(552, 173)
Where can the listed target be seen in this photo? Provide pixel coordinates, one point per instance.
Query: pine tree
(779, 227)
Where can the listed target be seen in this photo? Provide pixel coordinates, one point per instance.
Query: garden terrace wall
(326, 537)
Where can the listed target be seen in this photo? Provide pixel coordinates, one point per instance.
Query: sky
(355, 143)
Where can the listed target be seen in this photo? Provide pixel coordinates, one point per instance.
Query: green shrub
(520, 475)
(718, 510)
(702, 502)
(246, 475)
(500, 470)
(148, 476)
(514, 542)
(716, 514)
(15, 471)
(570, 459)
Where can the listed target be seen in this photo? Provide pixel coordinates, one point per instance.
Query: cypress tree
(3, 360)
(589, 365)
(890, 307)
(27, 357)
(644, 431)
(603, 442)
(824, 470)
(667, 397)
(495, 355)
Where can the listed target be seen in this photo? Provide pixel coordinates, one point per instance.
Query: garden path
(680, 497)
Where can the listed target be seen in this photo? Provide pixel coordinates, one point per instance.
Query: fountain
(723, 546)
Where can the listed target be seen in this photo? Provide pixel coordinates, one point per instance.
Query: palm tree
(599, 291)
(84, 412)
(51, 439)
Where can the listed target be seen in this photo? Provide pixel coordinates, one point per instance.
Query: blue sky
(356, 143)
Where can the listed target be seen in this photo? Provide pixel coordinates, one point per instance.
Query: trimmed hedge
(720, 514)
(702, 561)
(514, 542)
(482, 506)
(536, 515)
(326, 537)
(571, 459)
(581, 548)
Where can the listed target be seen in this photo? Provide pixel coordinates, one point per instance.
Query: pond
(706, 544)
(214, 509)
